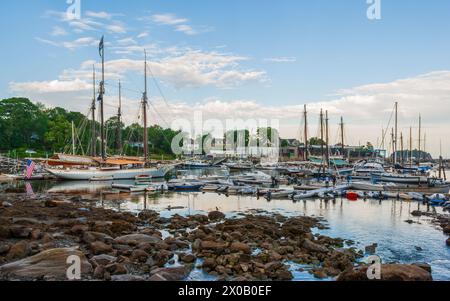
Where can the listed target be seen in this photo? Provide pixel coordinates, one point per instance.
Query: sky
(239, 59)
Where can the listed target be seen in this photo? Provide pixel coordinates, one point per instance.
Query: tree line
(25, 126)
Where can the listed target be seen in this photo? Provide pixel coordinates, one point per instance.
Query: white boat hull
(125, 174)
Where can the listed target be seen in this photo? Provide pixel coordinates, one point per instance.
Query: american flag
(30, 169)
(29, 189)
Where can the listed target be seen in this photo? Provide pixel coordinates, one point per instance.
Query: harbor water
(401, 237)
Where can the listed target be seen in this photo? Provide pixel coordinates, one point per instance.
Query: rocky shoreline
(38, 234)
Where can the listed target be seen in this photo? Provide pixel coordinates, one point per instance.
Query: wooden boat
(101, 179)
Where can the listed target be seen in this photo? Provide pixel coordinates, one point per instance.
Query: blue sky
(257, 53)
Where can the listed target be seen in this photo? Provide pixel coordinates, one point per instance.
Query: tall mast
(73, 139)
(94, 134)
(410, 147)
(425, 143)
(420, 139)
(144, 108)
(306, 134)
(392, 142)
(327, 138)
(396, 133)
(102, 93)
(342, 137)
(321, 136)
(119, 122)
(402, 158)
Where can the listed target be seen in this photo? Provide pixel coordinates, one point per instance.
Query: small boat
(130, 188)
(437, 199)
(101, 179)
(279, 194)
(210, 188)
(186, 186)
(416, 196)
(304, 195)
(196, 164)
(143, 178)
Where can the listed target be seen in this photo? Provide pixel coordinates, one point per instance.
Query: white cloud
(99, 15)
(281, 59)
(168, 19)
(142, 35)
(366, 109)
(185, 29)
(50, 86)
(71, 45)
(178, 24)
(58, 31)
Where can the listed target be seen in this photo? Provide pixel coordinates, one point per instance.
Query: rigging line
(160, 116)
(159, 88)
(387, 128)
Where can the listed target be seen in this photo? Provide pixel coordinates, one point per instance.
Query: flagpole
(102, 93)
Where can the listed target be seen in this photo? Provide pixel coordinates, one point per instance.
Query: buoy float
(352, 196)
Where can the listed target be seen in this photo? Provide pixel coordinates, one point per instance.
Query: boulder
(213, 246)
(187, 258)
(90, 237)
(51, 263)
(127, 278)
(372, 249)
(4, 248)
(447, 229)
(79, 229)
(216, 216)
(170, 274)
(139, 256)
(99, 247)
(136, 239)
(313, 247)
(103, 259)
(19, 250)
(448, 242)
(240, 247)
(389, 272)
(423, 265)
(20, 232)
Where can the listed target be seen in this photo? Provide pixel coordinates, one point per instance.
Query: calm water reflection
(365, 222)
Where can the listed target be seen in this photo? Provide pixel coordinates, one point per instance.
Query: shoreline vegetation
(27, 126)
(38, 233)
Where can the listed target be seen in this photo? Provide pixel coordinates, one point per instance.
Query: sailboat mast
(306, 134)
(119, 122)
(410, 147)
(327, 140)
(94, 134)
(73, 139)
(402, 158)
(321, 137)
(144, 107)
(396, 133)
(102, 93)
(420, 139)
(342, 137)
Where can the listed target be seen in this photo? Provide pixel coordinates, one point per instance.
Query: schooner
(116, 168)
